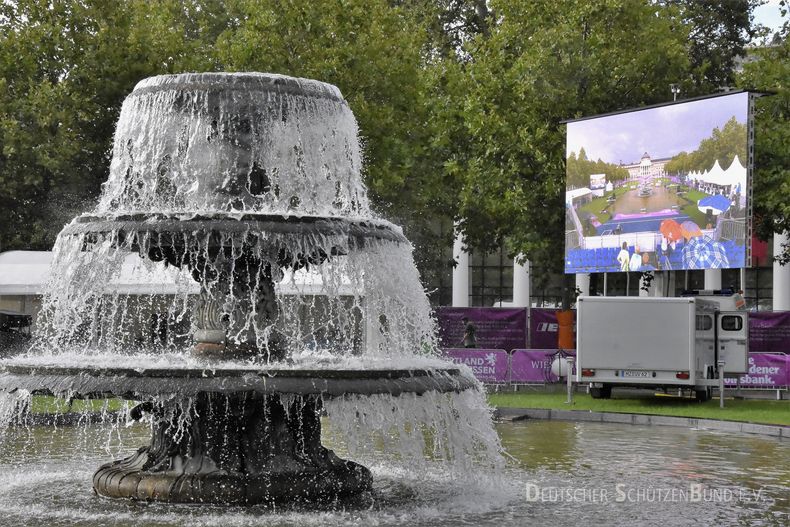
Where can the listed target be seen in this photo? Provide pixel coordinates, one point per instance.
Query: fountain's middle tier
(237, 259)
(292, 240)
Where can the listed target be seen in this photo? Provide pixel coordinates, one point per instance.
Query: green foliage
(579, 169)
(543, 62)
(770, 71)
(722, 146)
(719, 32)
(372, 51)
(459, 102)
(65, 68)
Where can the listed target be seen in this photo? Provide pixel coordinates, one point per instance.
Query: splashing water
(236, 143)
(219, 146)
(235, 214)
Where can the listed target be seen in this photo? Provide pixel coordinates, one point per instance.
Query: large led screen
(662, 188)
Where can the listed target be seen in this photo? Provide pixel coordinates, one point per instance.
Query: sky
(661, 132)
(769, 15)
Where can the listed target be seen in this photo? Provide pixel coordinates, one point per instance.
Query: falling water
(220, 147)
(222, 185)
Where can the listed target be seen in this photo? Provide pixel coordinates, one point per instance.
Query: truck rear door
(732, 340)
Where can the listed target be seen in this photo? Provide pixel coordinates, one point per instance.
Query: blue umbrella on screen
(717, 204)
(703, 253)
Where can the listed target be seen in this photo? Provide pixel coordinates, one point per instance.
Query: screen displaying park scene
(662, 188)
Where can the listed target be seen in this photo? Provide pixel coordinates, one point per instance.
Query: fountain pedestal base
(244, 448)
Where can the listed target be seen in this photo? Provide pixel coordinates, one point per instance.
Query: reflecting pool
(561, 473)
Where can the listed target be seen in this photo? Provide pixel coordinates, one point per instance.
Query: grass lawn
(691, 209)
(752, 411)
(595, 207)
(52, 405)
(696, 195)
(695, 215)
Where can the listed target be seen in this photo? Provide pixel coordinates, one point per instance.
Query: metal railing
(729, 229)
(579, 230)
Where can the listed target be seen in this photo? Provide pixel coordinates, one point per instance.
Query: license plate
(635, 373)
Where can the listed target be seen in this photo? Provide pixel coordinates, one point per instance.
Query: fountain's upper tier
(235, 142)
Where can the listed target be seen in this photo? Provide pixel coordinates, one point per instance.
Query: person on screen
(646, 265)
(623, 257)
(470, 334)
(636, 260)
(667, 248)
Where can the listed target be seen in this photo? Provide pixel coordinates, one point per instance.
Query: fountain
(249, 185)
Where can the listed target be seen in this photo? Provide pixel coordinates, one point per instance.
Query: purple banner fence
(496, 328)
(488, 365)
(532, 366)
(769, 331)
(766, 370)
(506, 328)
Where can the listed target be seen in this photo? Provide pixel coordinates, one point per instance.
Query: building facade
(646, 168)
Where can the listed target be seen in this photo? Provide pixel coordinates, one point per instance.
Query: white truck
(660, 343)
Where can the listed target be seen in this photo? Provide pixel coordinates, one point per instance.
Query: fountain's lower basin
(242, 448)
(141, 383)
(230, 436)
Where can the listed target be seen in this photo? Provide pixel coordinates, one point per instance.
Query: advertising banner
(495, 328)
(488, 365)
(766, 370)
(675, 183)
(769, 332)
(532, 366)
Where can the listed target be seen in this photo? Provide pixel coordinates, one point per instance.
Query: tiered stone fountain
(237, 180)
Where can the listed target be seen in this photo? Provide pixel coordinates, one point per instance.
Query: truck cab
(723, 329)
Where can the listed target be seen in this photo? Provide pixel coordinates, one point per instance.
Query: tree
(679, 164)
(459, 102)
(769, 71)
(578, 170)
(543, 62)
(65, 68)
(372, 51)
(719, 32)
(722, 146)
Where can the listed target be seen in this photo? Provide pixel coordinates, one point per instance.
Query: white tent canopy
(25, 273)
(714, 175)
(734, 175)
(575, 194)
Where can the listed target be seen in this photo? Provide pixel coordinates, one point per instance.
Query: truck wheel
(604, 392)
(702, 395)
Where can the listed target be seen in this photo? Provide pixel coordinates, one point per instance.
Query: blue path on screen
(639, 225)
